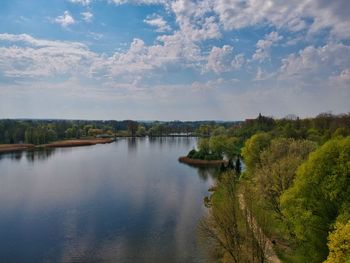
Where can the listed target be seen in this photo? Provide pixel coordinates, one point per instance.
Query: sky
(173, 60)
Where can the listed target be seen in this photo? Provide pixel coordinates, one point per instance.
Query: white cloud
(264, 46)
(261, 74)
(87, 16)
(238, 61)
(158, 22)
(43, 58)
(82, 2)
(219, 59)
(194, 20)
(342, 80)
(290, 15)
(27, 39)
(170, 50)
(138, 2)
(316, 62)
(223, 60)
(65, 20)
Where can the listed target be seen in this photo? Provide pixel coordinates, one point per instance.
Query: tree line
(44, 131)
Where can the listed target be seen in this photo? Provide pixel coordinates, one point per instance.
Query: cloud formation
(87, 16)
(82, 2)
(158, 22)
(65, 20)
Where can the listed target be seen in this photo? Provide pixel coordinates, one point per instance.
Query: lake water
(128, 201)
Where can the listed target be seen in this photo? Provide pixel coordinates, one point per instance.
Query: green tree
(253, 148)
(132, 127)
(320, 193)
(339, 244)
(141, 131)
(276, 172)
(51, 135)
(219, 131)
(217, 144)
(203, 145)
(341, 131)
(232, 147)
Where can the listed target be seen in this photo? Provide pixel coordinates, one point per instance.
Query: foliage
(320, 193)
(339, 244)
(277, 169)
(221, 225)
(252, 149)
(203, 145)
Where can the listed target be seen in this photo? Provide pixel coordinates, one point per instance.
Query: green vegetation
(227, 229)
(320, 194)
(295, 186)
(45, 131)
(339, 244)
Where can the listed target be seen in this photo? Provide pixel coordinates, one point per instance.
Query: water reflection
(132, 144)
(31, 155)
(96, 204)
(39, 155)
(16, 156)
(206, 173)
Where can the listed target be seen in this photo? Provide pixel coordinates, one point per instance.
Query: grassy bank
(5, 148)
(77, 142)
(15, 147)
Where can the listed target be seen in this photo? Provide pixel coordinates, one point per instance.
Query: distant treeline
(44, 131)
(318, 129)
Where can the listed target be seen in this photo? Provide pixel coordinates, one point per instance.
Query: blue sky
(166, 60)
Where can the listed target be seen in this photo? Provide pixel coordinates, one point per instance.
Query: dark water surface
(128, 201)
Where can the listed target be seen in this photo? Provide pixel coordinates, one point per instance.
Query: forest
(291, 203)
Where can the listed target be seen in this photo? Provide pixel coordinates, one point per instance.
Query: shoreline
(199, 162)
(7, 148)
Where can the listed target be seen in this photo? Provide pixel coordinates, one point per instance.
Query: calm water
(128, 201)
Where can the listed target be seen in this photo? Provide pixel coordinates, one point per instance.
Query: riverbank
(199, 162)
(5, 148)
(76, 142)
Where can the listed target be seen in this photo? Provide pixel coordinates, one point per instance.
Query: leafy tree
(141, 131)
(320, 193)
(276, 172)
(341, 131)
(132, 127)
(70, 133)
(205, 130)
(219, 131)
(51, 135)
(252, 149)
(203, 145)
(217, 144)
(232, 147)
(339, 244)
(221, 225)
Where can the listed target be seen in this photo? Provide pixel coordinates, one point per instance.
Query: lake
(127, 201)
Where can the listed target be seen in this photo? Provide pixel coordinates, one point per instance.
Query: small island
(217, 150)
